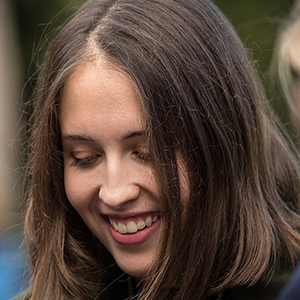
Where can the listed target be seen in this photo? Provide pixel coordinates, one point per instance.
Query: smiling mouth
(131, 226)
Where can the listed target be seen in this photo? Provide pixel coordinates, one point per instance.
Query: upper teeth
(131, 226)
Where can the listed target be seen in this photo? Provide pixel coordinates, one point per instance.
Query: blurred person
(11, 260)
(288, 56)
(155, 169)
(288, 63)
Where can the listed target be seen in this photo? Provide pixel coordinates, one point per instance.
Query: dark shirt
(291, 291)
(119, 289)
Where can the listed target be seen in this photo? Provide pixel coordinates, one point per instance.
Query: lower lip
(134, 238)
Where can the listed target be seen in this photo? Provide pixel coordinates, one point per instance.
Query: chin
(138, 269)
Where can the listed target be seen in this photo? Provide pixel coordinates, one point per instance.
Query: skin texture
(107, 166)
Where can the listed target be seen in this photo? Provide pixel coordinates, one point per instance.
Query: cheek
(78, 190)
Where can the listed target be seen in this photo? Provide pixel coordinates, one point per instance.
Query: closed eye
(143, 157)
(87, 161)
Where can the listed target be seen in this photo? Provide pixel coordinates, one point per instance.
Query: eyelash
(143, 157)
(84, 161)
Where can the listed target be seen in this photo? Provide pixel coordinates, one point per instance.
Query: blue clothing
(291, 291)
(12, 269)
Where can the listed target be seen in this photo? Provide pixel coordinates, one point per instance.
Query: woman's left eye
(143, 157)
(87, 161)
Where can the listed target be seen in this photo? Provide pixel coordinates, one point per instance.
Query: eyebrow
(78, 137)
(133, 134)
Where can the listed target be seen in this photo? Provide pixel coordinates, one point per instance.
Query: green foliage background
(256, 21)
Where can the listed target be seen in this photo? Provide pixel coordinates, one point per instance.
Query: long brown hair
(202, 99)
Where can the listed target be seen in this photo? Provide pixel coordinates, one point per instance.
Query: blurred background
(26, 29)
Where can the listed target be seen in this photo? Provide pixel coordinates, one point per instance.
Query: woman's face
(107, 168)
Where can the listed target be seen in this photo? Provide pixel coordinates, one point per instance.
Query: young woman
(154, 171)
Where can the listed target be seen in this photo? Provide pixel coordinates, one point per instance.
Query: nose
(118, 186)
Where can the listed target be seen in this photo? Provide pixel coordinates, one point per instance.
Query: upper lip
(131, 215)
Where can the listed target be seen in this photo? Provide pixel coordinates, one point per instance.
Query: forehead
(101, 78)
(98, 93)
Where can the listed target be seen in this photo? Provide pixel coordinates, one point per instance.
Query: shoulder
(260, 291)
(291, 290)
(24, 296)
